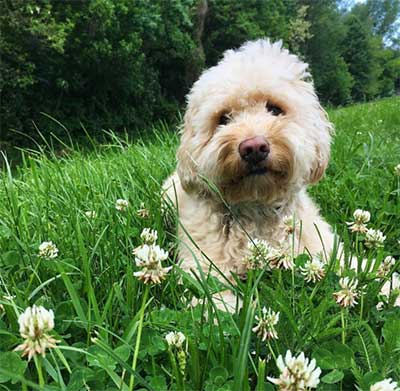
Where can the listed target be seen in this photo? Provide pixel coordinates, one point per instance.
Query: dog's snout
(254, 150)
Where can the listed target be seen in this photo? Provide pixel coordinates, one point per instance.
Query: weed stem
(138, 337)
(38, 365)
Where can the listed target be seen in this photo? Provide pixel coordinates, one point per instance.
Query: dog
(254, 137)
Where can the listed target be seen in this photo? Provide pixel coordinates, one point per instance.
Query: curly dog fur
(259, 91)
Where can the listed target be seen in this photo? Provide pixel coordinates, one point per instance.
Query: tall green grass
(100, 306)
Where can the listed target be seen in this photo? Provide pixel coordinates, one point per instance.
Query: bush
(98, 62)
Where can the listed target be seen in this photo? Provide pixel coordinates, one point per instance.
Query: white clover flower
(265, 328)
(313, 270)
(297, 373)
(386, 266)
(152, 275)
(361, 218)
(143, 212)
(90, 214)
(149, 236)
(121, 204)
(259, 250)
(34, 324)
(347, 296)
(279, 258)
(262, 253)
(374, 238)
(146, 254)
(397, 170)
(48, 250)
(290, 223)
(284, 261)
(385, 385)
(175, 339)
(148, 258)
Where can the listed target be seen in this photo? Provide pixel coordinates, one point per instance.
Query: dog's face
(254, 127)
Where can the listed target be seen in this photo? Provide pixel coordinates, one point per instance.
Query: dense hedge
(123, 64)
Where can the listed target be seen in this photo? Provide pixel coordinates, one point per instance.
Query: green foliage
(98, 62)
(97, 300)
(124, 64)
(230, 23)
(358, 53)
(363, 156)
(323, 50)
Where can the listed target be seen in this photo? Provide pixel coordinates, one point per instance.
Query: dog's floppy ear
(322, 146)
(186, 167)
(319, 166)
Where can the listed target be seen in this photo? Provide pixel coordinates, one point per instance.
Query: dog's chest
(254, 225)
(236, 232)
(224, 235)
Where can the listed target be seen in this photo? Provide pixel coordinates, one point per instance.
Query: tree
(103, 63)
(359, 55)
(332, 78)
(230, 23)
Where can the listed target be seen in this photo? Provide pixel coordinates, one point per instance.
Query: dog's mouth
(254, 171)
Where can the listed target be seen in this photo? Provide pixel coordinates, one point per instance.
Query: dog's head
(254, 127)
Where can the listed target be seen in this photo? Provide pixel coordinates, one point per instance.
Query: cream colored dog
(254, 128)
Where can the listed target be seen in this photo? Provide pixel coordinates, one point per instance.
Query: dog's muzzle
(254, 151)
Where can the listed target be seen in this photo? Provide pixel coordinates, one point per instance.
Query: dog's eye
(224, 119)
(274, 110)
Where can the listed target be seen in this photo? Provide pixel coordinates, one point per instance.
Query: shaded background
(121, 65)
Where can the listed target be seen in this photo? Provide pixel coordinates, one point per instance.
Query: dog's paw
(225, 301)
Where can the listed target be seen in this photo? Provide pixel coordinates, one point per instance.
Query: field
(110, 327)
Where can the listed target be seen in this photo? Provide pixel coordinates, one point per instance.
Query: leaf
(391, 334)
(324, 358)
(158, 382)
(334, 355)
(219, 372)
(370, 348)
(333, 377)
(11, 258)
(11, 362)
(123, 352)
(157, 345)
(101, 359)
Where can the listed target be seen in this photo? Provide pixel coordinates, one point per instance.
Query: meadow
(110, 328)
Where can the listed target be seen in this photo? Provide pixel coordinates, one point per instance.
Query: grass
(103, 314)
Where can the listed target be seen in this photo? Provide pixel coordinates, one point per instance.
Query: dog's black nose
(254, 150)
